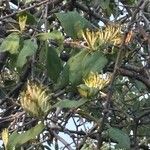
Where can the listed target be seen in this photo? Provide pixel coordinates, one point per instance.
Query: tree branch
(51, 3)
(135, 75)
(95, 15)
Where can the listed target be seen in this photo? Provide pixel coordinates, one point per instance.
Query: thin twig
(113, 77)
(95, 15)
(31, 7)
(62, 140)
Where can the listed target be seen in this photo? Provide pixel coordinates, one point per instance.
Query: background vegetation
(75, 74)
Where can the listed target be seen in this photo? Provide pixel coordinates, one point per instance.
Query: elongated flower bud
(5, 136)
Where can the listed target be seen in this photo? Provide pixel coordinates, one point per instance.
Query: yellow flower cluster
(109, 35)
(90, 38)
(98, 81)
(35, 100)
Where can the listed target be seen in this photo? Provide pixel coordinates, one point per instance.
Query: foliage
(11, 43)
(120, 137)
(15, 140)
(74, 74)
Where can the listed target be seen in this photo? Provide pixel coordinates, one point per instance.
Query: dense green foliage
(75, 74)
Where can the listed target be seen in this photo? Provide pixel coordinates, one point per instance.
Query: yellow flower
(90, 38)
(109, 35)
(5, 135)
(35, 100)
(98, 81)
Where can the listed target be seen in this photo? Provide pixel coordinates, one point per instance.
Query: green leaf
(83, 63)
(94, 62)
(144, 130)
(2, 93)
(10, 43)
(139, 85)
(54, 65)
(87, 92)
(54, 35)
(63, 79)
(29, 48)
(16, 139)
(27, 1)
(70, 103)
(120, 137)
(130, 2)
(105, 4)
(72, 23)
(75, 67)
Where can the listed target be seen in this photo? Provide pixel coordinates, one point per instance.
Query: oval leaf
(10, 43)
(120, 137)
(70, 103)
(29, 48)
(16, 139)
(94, 62)
(72, 23)
(63, 79)
(54, 65)
(75, 67)
(83, 63)
(55, 35)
